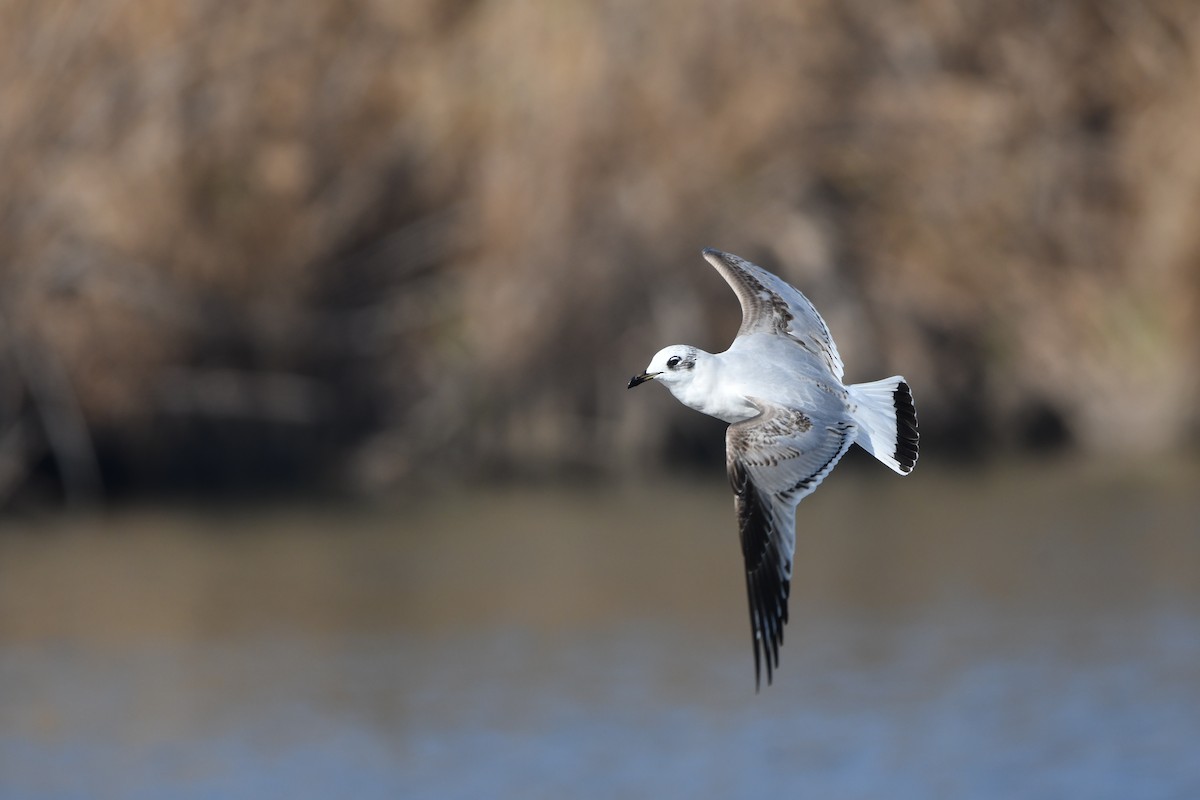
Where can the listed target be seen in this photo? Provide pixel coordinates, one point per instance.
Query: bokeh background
(315, 323)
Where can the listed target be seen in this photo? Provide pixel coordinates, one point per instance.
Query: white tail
(887, 421)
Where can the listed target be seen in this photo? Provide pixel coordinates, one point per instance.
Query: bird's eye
(673, 362)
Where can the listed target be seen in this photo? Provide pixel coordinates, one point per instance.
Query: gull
(779, 385)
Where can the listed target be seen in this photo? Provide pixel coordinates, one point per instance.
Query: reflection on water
(1004, 634)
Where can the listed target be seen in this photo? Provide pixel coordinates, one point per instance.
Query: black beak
(638, 380)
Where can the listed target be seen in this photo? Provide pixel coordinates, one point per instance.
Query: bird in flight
(779, 385)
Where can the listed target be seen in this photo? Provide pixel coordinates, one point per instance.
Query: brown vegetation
(366, 241)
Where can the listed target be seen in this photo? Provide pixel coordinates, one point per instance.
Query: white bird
(780, 385)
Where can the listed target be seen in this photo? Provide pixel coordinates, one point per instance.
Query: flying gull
(780, 386)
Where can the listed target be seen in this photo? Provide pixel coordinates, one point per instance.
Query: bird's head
(671, 365)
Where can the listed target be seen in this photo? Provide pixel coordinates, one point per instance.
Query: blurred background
(317, 468)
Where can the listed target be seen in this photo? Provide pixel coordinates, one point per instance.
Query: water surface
(1006, 633)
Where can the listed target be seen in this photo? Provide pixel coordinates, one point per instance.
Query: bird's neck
(709, 392)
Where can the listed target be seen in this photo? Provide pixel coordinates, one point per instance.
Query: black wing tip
(907, 436)
(768, 596)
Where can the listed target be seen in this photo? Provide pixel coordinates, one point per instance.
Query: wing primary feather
(764, 634)
(769, 601)
(772, 609)
(765, 629)
(754, 631)
(777, 605)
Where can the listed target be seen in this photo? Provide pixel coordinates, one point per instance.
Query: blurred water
(1005, 634)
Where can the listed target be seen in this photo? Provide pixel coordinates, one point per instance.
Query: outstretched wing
(775, 460)
(771, 305)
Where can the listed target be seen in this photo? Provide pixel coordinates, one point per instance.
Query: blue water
(1046, 645)
(620, 714)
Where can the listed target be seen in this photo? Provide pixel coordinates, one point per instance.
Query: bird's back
(778, 370)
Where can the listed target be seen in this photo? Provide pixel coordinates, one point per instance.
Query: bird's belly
(734, 408)
(725, 403)
(811, 396)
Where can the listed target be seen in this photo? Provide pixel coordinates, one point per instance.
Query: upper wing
(775, 460)
(771, 305)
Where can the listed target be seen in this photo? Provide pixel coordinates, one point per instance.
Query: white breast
(716, 391)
